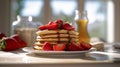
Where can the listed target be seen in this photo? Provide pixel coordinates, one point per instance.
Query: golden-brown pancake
(44, 32)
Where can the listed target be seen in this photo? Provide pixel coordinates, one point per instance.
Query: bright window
(100, 13)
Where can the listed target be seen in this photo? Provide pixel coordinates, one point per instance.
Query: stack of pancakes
(55, 37)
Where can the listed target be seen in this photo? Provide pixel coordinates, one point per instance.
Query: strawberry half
(47, 46)
(59, 22)
(19, 40)
(68, 26)
(59, 47)
(85, 45)
(43, 27)
(50, 22)
(9, 44)
(52, 26)
(74, 47)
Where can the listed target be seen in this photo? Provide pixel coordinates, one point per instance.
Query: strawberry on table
(2, 35)
(19, 40)
(9, 44)
(47, 46)
(59, 47)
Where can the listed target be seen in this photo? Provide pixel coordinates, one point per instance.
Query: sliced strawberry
(68, 26)
(59, 22)
(43, 27)
(59, 47)
(53, 26)
(2, 35)
(74, 47)
(85, 45)
(50, 22)
(19, 40)
(9, 44)
(47, 46)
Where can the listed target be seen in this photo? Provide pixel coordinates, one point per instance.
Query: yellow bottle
(82, 23)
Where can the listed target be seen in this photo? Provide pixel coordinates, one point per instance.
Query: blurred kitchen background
(104, 15)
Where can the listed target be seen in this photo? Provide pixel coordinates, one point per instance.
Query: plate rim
(31, 50)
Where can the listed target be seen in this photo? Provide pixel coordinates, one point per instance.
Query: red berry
(47, 46)
(50, 22)
(2, 35)
(68, 26)
(9, 44)
(85, 45)
(53, 26)
(59, 47)
(19, 40)
(43, 27)
(59, 22)
(74, 47)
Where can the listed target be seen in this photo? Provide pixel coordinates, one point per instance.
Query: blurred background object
(103, 15)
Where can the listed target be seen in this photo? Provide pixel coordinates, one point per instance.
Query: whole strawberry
(2, 35)
(9, 44)
(19, 40)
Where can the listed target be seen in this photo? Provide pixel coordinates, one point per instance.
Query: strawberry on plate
(19, 40)
(43, 27)
(67, 26)
(85, 45)
(74, 47)
(9, 44)
(50, 22)
(47, 46)
(59, 47)
(59, 22)
(52, 26)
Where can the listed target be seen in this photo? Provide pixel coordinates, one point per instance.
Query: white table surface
(20, 58)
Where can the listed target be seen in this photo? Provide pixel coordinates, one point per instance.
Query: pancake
(57, 35)
(44, 32)
(56, 39)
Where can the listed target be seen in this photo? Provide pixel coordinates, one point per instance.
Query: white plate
(31, 50)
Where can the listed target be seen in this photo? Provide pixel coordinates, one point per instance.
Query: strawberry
(2, 35)
(9, 44)
(59, 47)
(50, 22)
(85, 45)
(53, 26)
(74, 47)
(47, 46)
(59, 22)
(43, 27)
(19, 40)
(68, 26)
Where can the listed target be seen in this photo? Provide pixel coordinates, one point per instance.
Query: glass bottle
(81, 20)
(25, 28)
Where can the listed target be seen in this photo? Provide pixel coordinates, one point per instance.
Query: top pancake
(44, 32)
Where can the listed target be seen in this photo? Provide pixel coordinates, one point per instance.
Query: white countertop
(21, 58)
